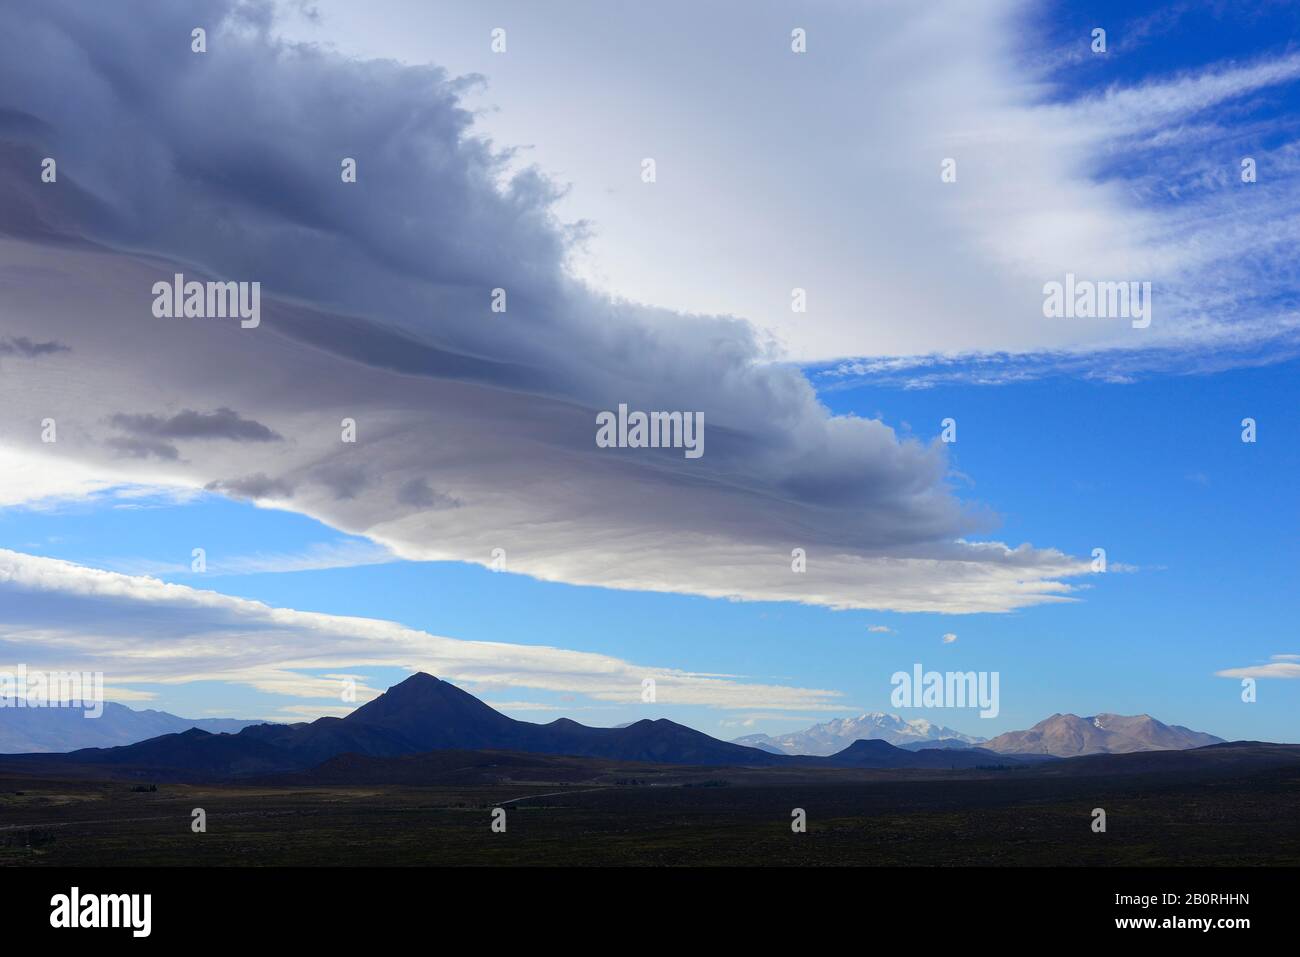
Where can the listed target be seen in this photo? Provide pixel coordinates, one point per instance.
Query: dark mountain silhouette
(433, 714)
(487, 768)
(874, 753)
(429, 715)
(1237, 757)
(418, 715)
(302, 745)
(227, 755)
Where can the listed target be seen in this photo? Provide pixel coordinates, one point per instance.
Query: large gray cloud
(821, 170)
(375, 308)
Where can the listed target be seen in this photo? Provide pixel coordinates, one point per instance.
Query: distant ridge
(1061, 735)
(1068, 735)
(831, 736)
(24, 730)
(942, 744)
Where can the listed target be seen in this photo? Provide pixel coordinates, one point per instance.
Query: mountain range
(832, 736)
(418, 715)
(67, 729)
(1068, 735)
(1061, 736)
(423, 714)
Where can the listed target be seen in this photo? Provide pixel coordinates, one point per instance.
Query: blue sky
(1153, 471)
(775, 172)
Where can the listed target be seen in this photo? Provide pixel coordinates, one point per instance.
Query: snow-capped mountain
(832, 736)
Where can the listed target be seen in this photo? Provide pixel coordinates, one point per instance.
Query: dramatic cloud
(822, 170)
(474, 429)
(58, 616)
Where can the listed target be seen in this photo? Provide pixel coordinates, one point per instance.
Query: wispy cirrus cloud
(317, 556)
(1149, 185)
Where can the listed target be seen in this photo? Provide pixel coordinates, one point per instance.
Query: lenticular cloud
(472, 431)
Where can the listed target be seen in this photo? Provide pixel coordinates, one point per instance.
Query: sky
(523, 170)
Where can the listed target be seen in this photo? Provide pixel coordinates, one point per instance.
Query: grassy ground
(722, 817)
